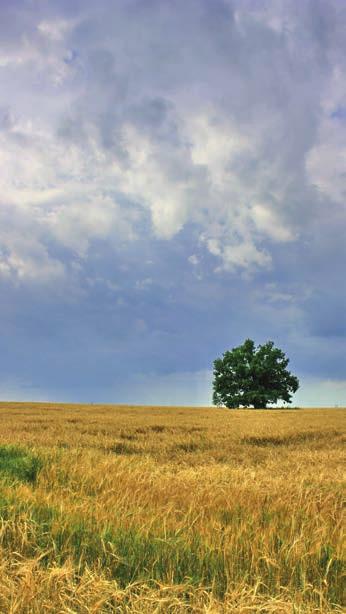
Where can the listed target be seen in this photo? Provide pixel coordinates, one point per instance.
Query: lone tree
(248, 376)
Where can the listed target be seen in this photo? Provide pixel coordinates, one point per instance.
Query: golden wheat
(147, 509)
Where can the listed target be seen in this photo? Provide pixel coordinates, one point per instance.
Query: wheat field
(169, 509)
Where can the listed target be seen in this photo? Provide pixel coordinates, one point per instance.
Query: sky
(172, 182)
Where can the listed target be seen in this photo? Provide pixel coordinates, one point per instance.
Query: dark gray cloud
(172, 181)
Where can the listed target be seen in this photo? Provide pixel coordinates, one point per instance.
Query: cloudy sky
(172, 181)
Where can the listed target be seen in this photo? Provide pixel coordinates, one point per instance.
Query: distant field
(128, 509)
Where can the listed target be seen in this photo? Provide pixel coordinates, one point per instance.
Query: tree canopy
(253, 376)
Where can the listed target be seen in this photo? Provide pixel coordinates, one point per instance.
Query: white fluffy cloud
(224, 119)
(53, 192)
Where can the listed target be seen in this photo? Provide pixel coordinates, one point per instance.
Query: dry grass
(129, 509)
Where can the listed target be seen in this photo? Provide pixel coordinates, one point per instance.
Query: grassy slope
(115, 509)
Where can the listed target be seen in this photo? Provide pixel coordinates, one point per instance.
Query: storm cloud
(172, 181)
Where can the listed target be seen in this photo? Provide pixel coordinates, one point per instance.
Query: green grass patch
(19, 464)
(130, 555)
(124, 554)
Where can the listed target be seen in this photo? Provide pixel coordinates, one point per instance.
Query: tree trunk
(259, 404)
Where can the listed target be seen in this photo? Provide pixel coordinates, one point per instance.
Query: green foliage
(247, 376)
(19, 464)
